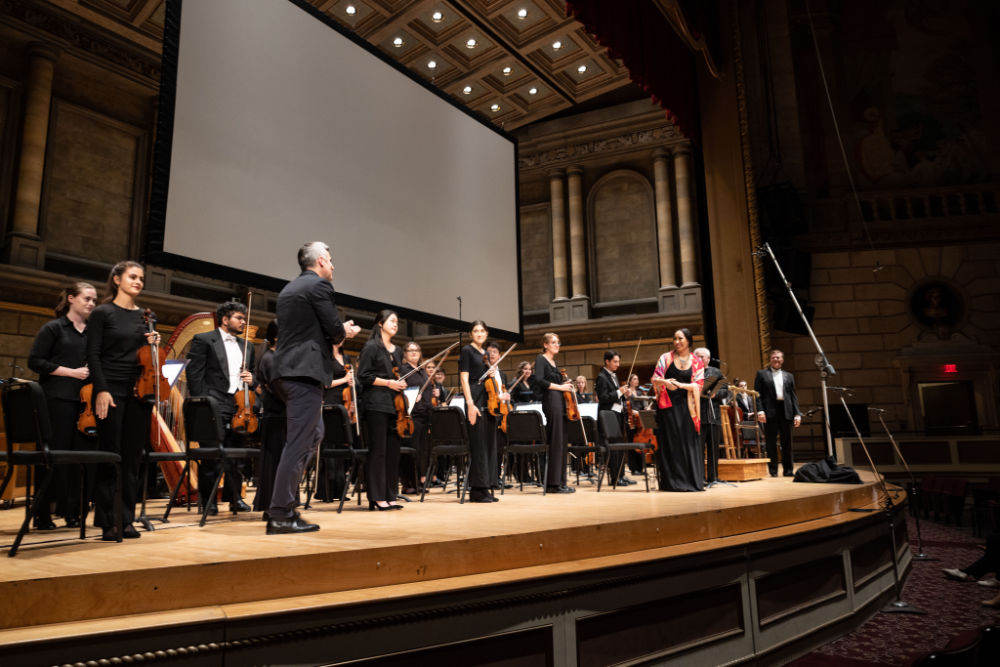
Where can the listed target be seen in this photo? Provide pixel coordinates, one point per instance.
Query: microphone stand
(823, 364)
(897, 606)
(920, 555)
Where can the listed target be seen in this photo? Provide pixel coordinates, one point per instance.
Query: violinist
(215, 368)
(612, 396)
(442, 394)
(421, 413)
(522, 391)
(272, 422)
(482, 426)
(492, 357)
(581, 390)
(59, 356)
(378, 372)
(115, 333)
(332, 473)
(549, 381)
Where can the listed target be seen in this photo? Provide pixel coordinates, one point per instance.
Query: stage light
(494, 107)
(507, 70)
(581, 69)
(431, 64)
(437, 17)
(398, 42)
(532, 91)
(351, 10)
(522, 13)
(471, 43)
(556, 45)
(467, 90)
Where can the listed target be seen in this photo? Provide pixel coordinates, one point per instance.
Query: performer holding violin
(116, 332)
(332, 476)
(549, 380)
(272, 422)
(498, 405)
(421, 413)
(613, 396)
(482, 426)
(59, 356)
(217, 368)
(522, 391)
(383, 407)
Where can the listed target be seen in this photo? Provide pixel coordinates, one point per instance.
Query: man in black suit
(303, 366)
(777, 410)
(714, 392)
(609, 397)
(215, 368)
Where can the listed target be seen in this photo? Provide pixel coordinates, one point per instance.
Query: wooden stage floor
(181, 573)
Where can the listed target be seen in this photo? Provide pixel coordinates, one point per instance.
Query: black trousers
(554, 407)
(303, 431)
(64, 489)
(483, 451)
(383, 456)
(232, 484)
(773, 428)
(124, 431)
(272, 443)
(990, 561)
(710, 437)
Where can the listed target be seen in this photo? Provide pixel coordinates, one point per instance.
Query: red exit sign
(950, 368)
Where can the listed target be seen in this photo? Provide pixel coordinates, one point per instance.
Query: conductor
(303, 365)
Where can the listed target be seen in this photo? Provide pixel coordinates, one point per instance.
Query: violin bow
(424, 363)
(246, 330)
(493, 366)
(634, 357)
(430, 377)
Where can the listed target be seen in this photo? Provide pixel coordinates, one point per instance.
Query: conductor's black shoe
(239, 506)
(44, 524)
(294, 524)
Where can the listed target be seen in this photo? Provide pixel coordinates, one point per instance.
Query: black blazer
(606, 389)
(309, 327)
(208, 367)
(767, 402)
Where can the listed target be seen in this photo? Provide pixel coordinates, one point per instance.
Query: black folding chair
(338, 445)
(582, 448)
(449, 437)
(203, 424)
(26, 419)
(149, 457)
(609, 423)
(526, 437)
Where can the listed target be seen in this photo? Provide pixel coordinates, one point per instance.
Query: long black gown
(679, 456)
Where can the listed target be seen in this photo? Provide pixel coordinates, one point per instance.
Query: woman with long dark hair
(677, 381)
(549, 381)
(115, 333)
(481, 425)
(378, 358)
(59, 356)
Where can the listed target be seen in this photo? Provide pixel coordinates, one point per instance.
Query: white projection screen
(277, 129)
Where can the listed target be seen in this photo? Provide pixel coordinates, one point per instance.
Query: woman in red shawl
(677, 381)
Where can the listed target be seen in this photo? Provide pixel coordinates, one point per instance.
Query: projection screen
(280, 129)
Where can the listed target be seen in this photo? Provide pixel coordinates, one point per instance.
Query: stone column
(685, 221)
(559, 269)
(664, 219)
(580, 302)
(24, 246)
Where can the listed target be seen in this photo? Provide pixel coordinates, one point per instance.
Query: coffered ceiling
(511, 61)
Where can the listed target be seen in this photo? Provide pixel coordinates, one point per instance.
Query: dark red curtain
(656, 58)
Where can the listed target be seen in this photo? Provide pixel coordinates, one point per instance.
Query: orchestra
(389, 394)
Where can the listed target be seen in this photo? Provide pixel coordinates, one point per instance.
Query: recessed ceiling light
(431, 64)
(398, 42)
(351, 10)
(437, 17)
(532, 91)
(467, 90)
(507, 70)
(556, 45)
(581, 69)
(471, 43)
(522, 13)
(494, 107)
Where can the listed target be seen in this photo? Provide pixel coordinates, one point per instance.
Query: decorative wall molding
(623, 143)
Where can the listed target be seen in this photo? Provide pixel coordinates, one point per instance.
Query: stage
(734, 573)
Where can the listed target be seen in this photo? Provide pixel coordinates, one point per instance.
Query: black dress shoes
(295, 524)
(44, 524)
(239, 506)
(479, 495)
(130, 533)
(73, 522)
(560, 489)
(789, 473)
(213, 510)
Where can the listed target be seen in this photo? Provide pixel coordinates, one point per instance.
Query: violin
(404, 423)
(348, 397)
(496, 406)
(151, 383)
(86, 423)
(244, 421)
(572, 409)
(633, 416)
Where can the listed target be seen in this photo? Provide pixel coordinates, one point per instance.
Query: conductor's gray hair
(310, 253)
